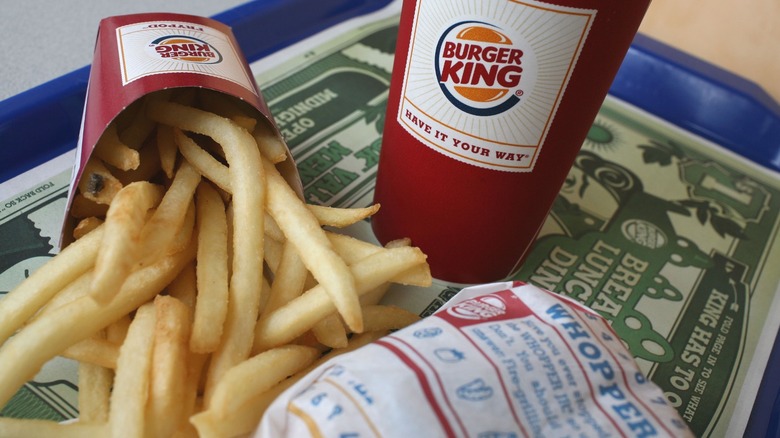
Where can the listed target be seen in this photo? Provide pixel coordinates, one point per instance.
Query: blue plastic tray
(683, 90)
(44, 122)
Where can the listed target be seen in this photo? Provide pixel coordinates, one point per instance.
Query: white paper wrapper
(498, 360)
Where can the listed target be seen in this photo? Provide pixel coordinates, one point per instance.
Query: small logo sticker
(186, 49)
(484, 307)
(153, 48)
(644, 233)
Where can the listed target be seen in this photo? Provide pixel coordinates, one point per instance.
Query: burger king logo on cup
(479, 68)
(482, 81)
(186, 49)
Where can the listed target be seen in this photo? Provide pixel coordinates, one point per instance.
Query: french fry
(166, 147)
(130, 391)
(85, 226)
(382, 318)
(207, 425)
(156, 235)
(184, 286)
(272, 230)
(116, 332)
(289, 279)
(302, 229)
(74, 290)
(25, 428)
(37, 289)
(169, 358)
(112, 151)
(353, 250)
(299, 315)
(202, 161)
(356, 341)
(196, 364)
(350, 248)
(341, 217)
(227, 107)
(46, 337)
(257, 375)
(181, 239)
(121, 239)
(399, 242)
(231, 235)
(148, 168)
(265, 291)
(97, 183)
(247, 181)
(330, 331)
(94, 351)
(241, 421)
(375, 296)
(94, 388)
(212, 271)
(272, 252)
(83, 208)
(139, 129)
(94, 392)
(236, 342)
(272, 148)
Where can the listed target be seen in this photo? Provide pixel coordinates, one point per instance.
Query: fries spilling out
(198, 284)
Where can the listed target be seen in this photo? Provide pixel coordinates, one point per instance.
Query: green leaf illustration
(723, 226)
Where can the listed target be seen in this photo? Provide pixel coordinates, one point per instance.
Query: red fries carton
(136, 55)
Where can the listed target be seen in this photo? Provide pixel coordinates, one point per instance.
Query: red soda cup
(489, 104)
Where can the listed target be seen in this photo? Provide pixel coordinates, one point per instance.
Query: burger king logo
(186, 49)
(483, 80)
(162, 47)
(480, 308)
(479, 68)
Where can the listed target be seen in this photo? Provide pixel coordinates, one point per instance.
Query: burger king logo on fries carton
(186, 49)
(143, 61)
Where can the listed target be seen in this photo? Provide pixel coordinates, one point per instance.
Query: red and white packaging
(499, 360)
(138, 54)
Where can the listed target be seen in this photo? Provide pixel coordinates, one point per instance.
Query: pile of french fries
(198, 285)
